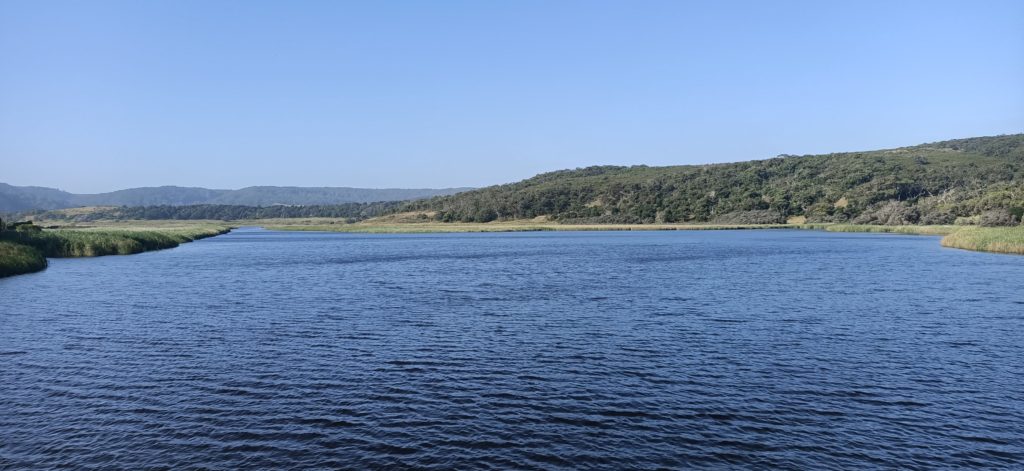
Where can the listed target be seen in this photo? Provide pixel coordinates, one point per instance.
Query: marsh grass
(987, 239)
(93, 242)
(16, 259)
(915, 230)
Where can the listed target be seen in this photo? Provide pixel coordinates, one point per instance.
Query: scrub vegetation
(931, 184)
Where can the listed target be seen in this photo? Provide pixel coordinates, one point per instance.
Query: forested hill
(25, 198)
(926, 184)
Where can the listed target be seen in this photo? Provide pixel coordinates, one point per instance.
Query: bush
(26, 227)
(890, 213)
(1017, 212)
(762, 216)
(998, 218)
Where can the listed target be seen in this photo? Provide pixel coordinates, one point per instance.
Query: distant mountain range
(26, 198)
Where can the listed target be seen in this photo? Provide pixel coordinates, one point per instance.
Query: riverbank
(26, 251)
(147, 233)
(452, 227)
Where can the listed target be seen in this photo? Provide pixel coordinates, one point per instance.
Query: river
(677, 349)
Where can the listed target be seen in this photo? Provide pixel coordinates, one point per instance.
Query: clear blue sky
(97, 96)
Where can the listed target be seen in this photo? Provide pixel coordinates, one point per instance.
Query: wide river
(730, 349)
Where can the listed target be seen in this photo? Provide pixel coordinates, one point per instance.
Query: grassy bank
(16, 259)
(97, 242)
(1007, 240)
(987, 239)
(26, 251)
(914, 230)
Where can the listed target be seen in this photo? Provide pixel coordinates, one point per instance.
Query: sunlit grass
(918, 230)
(987, 239)
(16, 259)
(93, 242)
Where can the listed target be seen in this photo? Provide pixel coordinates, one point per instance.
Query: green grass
(987, 239)
(917, 230)
(16, 259)
(93, 242)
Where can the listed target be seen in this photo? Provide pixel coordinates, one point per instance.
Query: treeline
(939, 183)
(351, 211)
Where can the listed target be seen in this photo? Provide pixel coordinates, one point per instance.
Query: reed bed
(987, 239)
(93, 242)
(915, 230)
(16, 259)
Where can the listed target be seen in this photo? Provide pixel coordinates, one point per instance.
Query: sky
(102, 95)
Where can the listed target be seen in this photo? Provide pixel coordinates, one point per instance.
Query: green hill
(927, 184)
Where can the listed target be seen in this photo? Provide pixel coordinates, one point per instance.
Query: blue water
(745, 349)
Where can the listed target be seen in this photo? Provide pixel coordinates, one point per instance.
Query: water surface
(726, 349)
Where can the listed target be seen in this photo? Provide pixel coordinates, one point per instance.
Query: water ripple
(738, 350)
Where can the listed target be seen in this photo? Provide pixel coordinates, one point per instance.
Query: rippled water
(745, 349)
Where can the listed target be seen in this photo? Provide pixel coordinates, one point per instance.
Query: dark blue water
(747, 349)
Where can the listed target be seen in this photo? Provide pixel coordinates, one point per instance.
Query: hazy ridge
(25, 198)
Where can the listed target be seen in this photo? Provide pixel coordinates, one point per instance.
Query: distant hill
(926, 184)
(27, 198)
(290, 195)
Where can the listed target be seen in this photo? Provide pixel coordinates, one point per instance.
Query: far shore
(1007, 240)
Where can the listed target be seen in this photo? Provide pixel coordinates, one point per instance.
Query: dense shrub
(997, 218)
(968, 220)
(890, 213)
(761, 216)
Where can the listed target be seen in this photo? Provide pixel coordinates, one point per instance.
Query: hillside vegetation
(978, 180)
